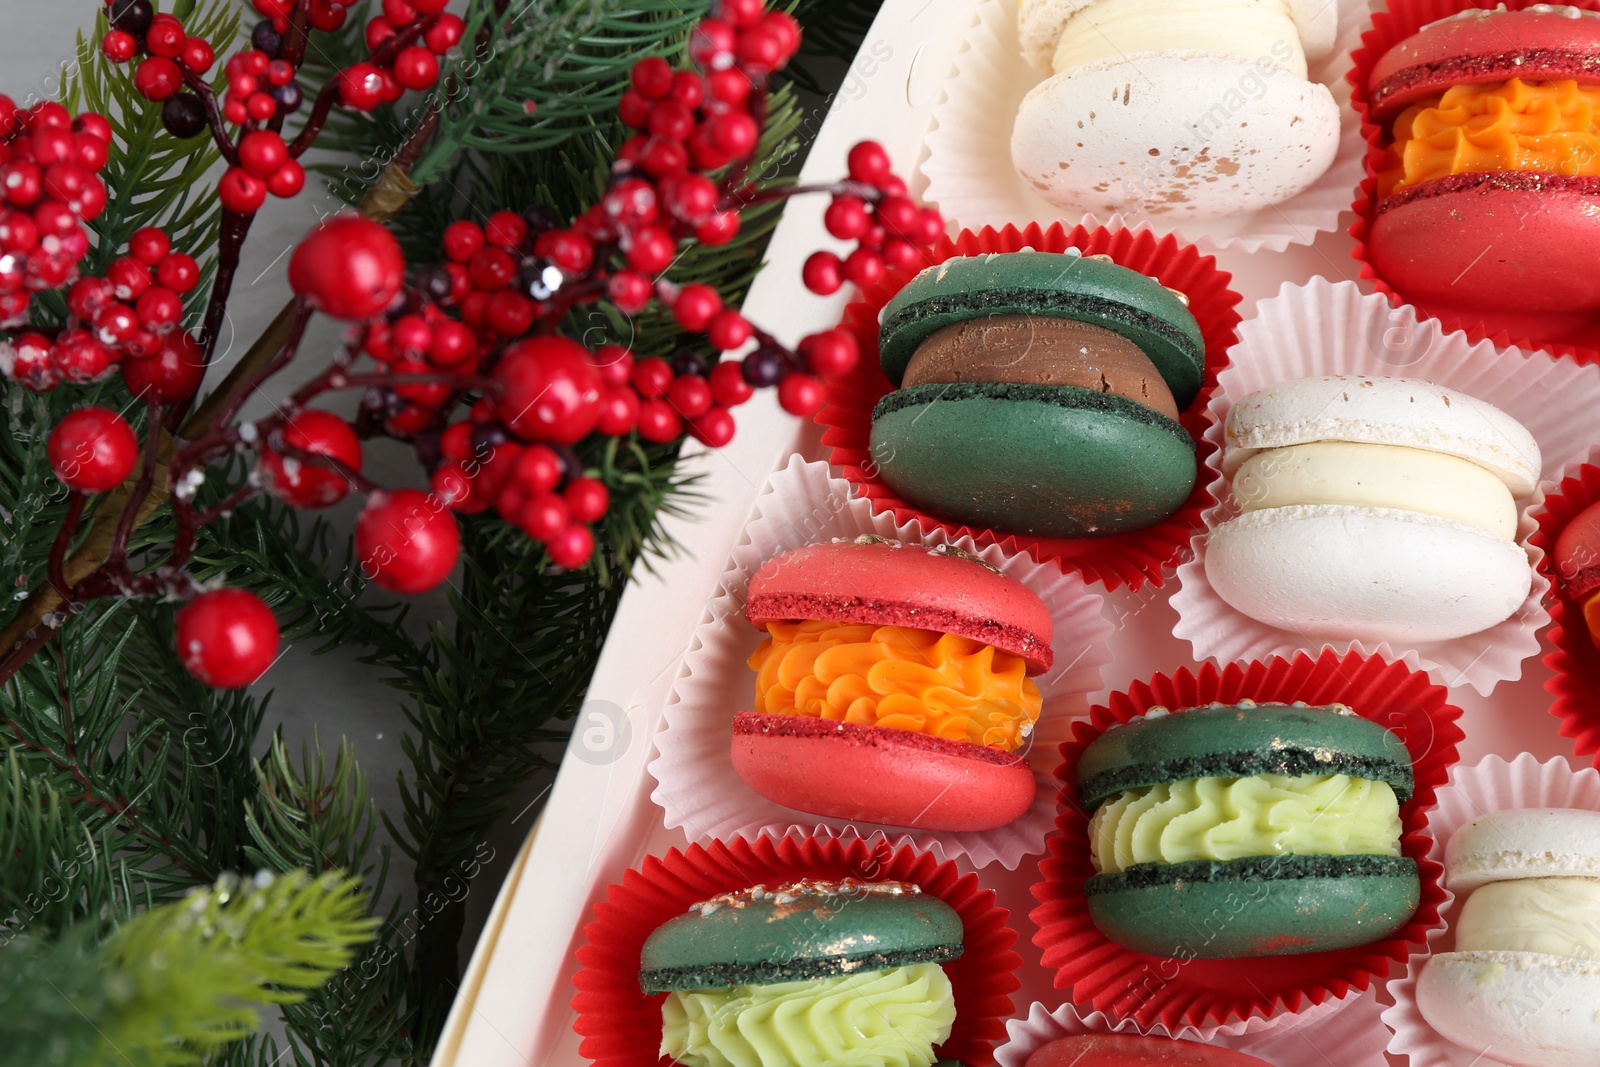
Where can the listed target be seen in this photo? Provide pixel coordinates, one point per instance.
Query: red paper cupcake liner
(1389, 28)
(1574, 658)
(621, 1026)
(1099, 974)
(1129, 559)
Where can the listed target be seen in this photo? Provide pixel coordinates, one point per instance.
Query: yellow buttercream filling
(1255, 30)
(897, 677)
(1556, 916)
(1236, 818)
(889, 1018)
(1514, 125)
(1377, 476)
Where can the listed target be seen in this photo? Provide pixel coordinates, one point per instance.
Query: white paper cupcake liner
(697, 787)
(969, 176)
(1330, 328)
(1491, 785)
(1345, 1032)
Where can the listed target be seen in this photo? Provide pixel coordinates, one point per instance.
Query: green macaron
(1247, 830)
(1039, 394)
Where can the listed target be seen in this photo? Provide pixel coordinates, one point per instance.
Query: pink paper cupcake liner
(1130, 559)
(1492, 785)
(697, 787)
(621, 1026)
(1098, 974)
(1402, 19)
(1573, 656)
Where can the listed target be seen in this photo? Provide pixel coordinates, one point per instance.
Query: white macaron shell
(1524, 843)
(1039, 24)
(1174, 134)
(1331, 572)
(1318, 22)
(1385, 411)
(1522, 1008)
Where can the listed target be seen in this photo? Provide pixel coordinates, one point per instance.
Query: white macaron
(1534, 1009)
(1177, 111)
(1332, 549)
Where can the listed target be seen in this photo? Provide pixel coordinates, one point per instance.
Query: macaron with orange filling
(1489, 196)
(895, 686)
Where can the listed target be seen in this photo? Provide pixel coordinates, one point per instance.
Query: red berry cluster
(49, 184)
(413, 34)
(890, 231)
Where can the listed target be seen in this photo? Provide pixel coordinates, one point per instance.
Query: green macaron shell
(1047, 283)
(1262, 906)
(764, 941)
(1049, 460)
(1239, 740)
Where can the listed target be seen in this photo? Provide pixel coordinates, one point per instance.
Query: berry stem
(141, 488)
(328, 95)
(208, 97)
(749, 196)
(63, 541)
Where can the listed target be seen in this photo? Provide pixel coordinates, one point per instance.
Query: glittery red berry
(178, 271)
(306, 483)
(407, 541)
(227, 638)
(171, 375)
(349, 267)
(92, 449)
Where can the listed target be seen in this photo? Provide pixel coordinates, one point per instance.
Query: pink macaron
(894, 689)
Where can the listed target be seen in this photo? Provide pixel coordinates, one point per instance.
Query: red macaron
(1525, 243)
(850, 766)
(1126, 1050)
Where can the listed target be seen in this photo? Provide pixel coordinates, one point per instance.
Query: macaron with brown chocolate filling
(1039, 393)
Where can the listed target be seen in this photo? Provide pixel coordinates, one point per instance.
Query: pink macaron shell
(875, 774)
(891, 584)
(1488, 46)
(1576, 560)
(1477, 240)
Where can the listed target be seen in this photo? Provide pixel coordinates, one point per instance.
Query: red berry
(740, 12)
(714, 428)
(240, 192)
(900, 254)
(863, 267)
(30, 362)
(761, 50)
(635, 109)
(652, 76)
(129, 276)
(377, 31)
(548, 390)
(262, 152)
(462, 239)
(631, 203)
(629, 291)
(651, 249)
(157, 78)
(416, 68)
(730, 86)
(445, 34)
(227, 638)
(720, 228)
(800, 394)
(690, 396)
(728, 386)
(671, 120)
(287, 180)
(491, 269)
(178, 272)
(261, 106)
(17, 231)
(506, 229)
(711, 45)
(541, 517)
(361, 86)
(116, 324)
(89, 151)
(510, 314)
(409, 421)
(422, 394)
(537, 471)
(688, 89)
(88, 295)
(451, 484)
(658, 422)
(690, 197)
(118, 46)
(23, 181)
(399, 12)
(159, 309)
(452, 343)
(831, 354)
(868, 162)
(588, 498)
(705, 154)
(165, 37)
(235, 112)
(663, 156)
(931, 226)
(651, 377)
(169, 376)
(822, 273)
(735, 133)
(306, 483)
(571, 548)
(782, 26)
(614, 363)
(198, 55)
(407, 541)
(149, 245)
(51, 144)
(728, 330)
(349, 267)
(79, 358)
(847, 217)
(93, 449)
(570, 251)
(696, 306)
(619, 410)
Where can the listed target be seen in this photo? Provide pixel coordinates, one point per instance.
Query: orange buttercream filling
(1472, 129)
(894, 676)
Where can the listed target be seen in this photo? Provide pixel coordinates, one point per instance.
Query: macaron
(1038, 393)
(806, 973)
(1174, 108)
(1577, 565)
(1489, 197)
(1129, 1050)
(1379, 509)
(1247, 830)
(1523, 978)
(894, 686)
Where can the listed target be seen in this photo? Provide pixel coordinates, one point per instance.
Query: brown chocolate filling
(1040, 350)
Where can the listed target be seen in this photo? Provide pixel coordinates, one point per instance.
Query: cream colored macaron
(1522, 985)
(1373, 509)
(1179, 108)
